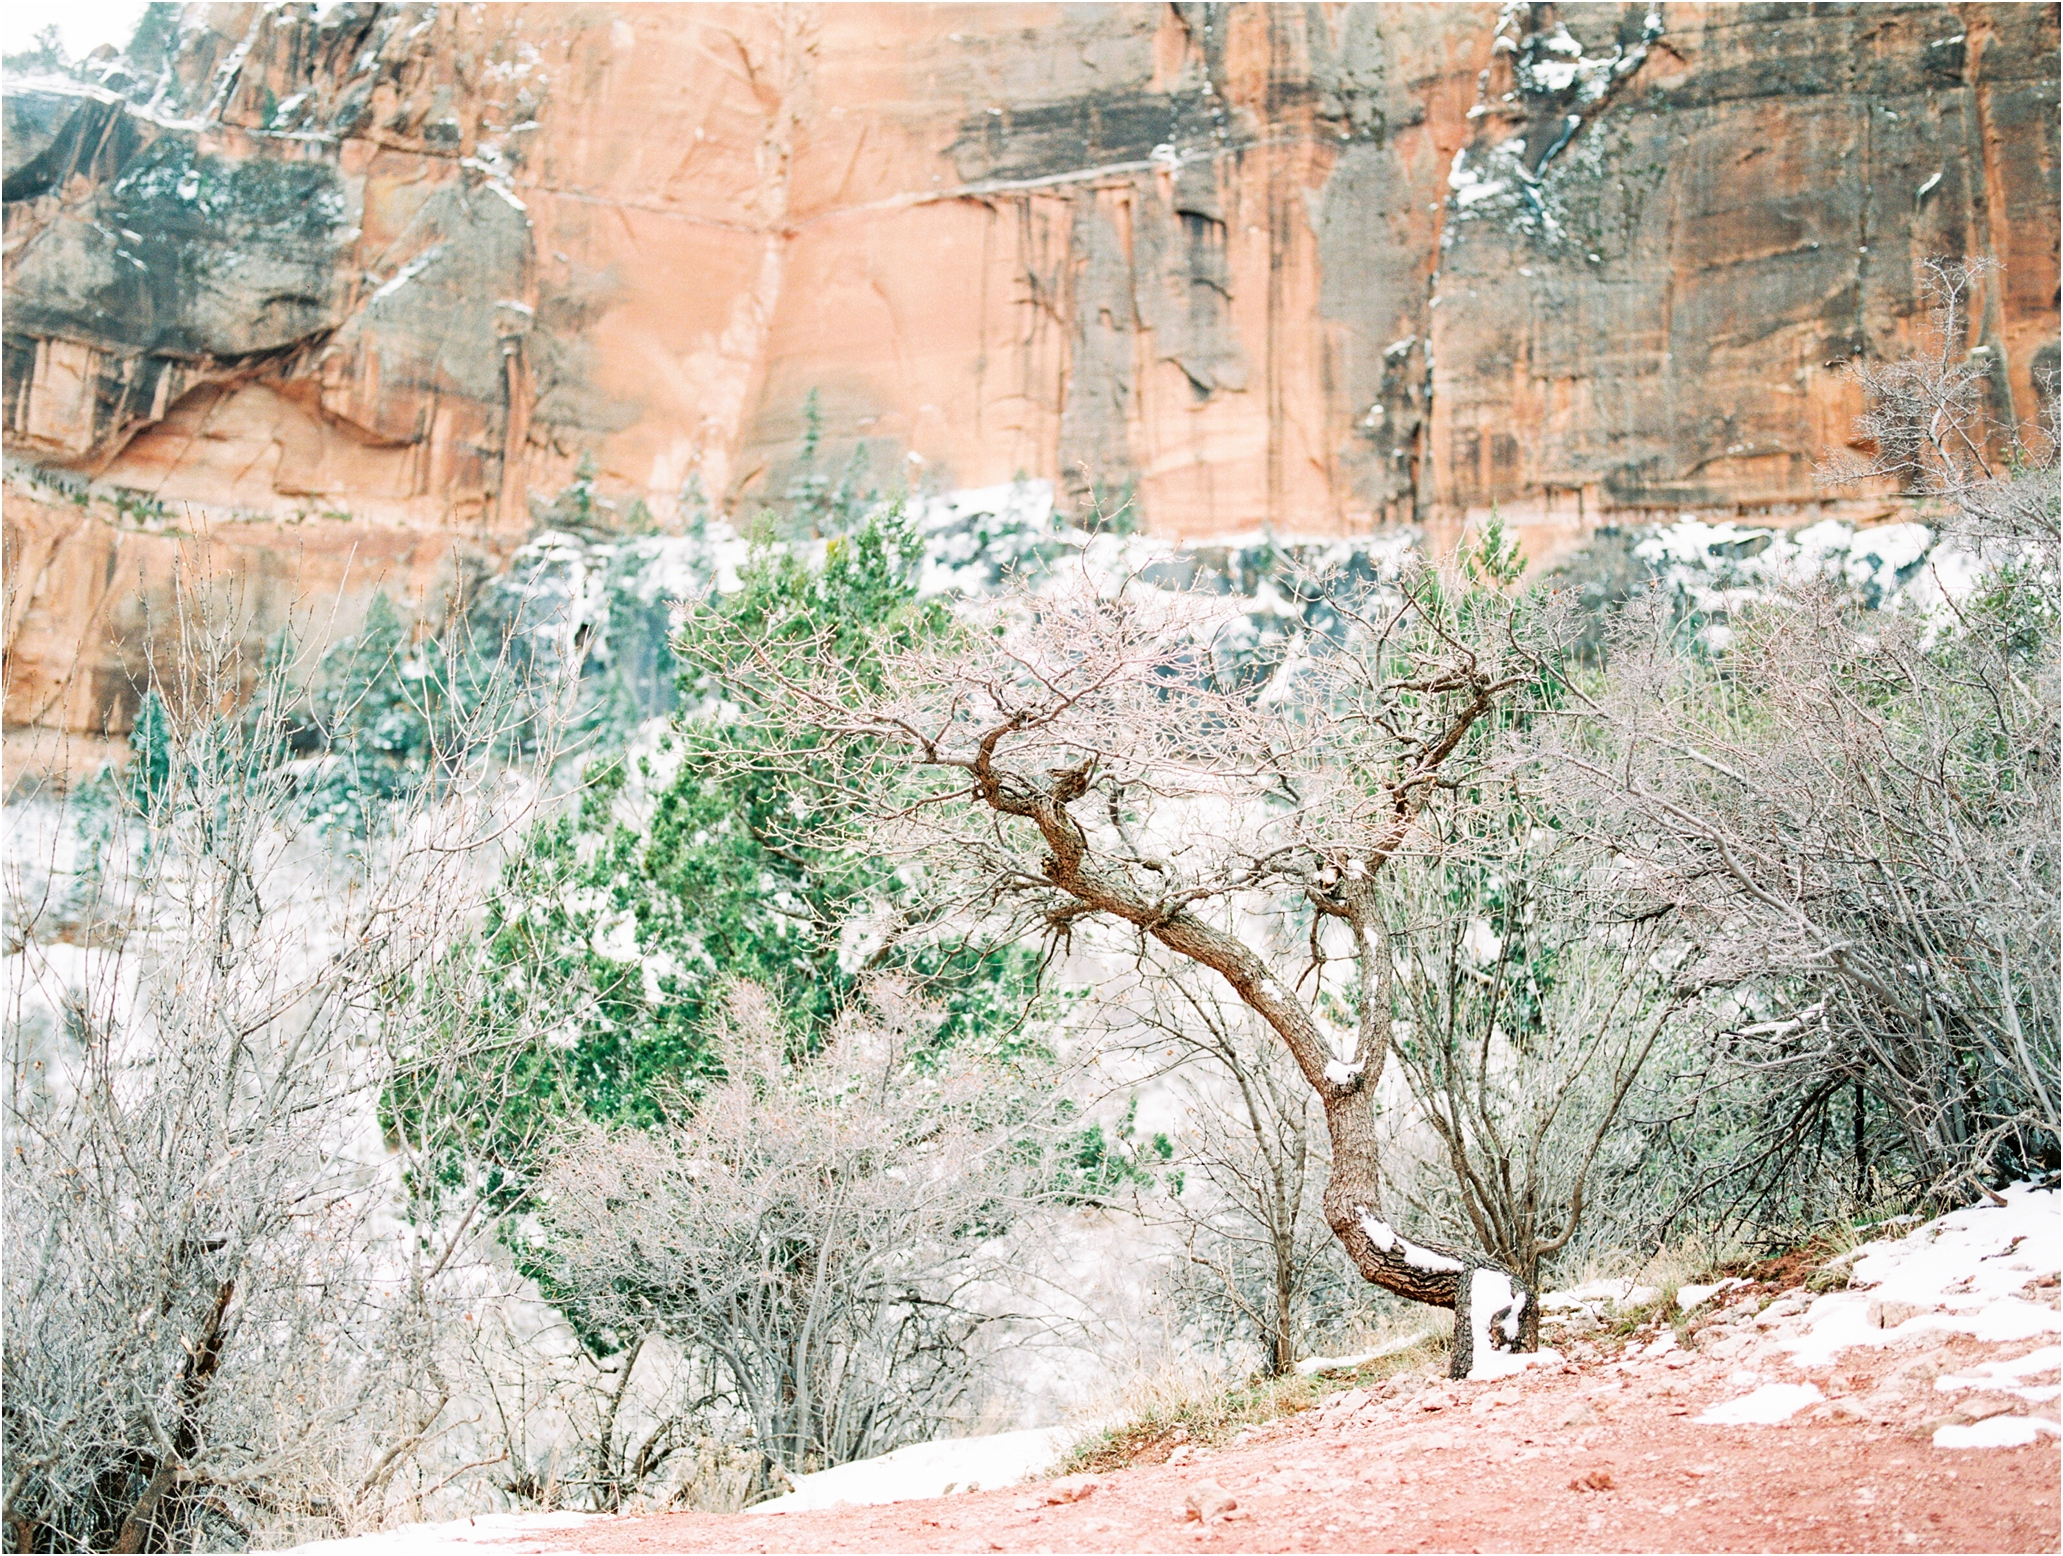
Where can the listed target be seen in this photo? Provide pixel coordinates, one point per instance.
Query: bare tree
(1245, 1172)
(1531, 1016)
(1078, 756)
(213, 1324)
(810, 1231)
(1932, 426)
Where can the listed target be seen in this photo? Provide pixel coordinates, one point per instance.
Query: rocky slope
(407, 267)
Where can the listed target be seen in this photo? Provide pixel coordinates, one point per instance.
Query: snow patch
(976, 535)
(924, 1470)
(487, 1529)
(1998, 1432)
(1962, 1272)
(1771, 1403)
(1311, 1366)
(2048, 1359)
(1509, 1364)
(1688, 1297)
(1619, 1293)
(409, 272)
(2009, 1376)
(1715, 569)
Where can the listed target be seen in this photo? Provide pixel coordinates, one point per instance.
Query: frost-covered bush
(1529, 1014)
(811, 1227)
(215, 1333)
(1848, 802)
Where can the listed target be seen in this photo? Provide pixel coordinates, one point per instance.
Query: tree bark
(1428, 1273)
(199, 1370)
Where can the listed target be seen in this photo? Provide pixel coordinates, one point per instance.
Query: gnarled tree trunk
(1491, 1304)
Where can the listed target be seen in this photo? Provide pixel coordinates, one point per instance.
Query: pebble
(1071, 1488)
(1207, 1500)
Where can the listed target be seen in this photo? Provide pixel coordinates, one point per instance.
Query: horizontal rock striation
(412, 268)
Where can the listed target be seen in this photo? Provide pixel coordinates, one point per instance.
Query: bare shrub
(1245, 1174)
(1855, 816)
(809, 1232)
(1932, 428)
(1531, 1016)
(217, 1329)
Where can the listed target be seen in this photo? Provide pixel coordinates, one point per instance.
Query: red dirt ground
(1424, 1465)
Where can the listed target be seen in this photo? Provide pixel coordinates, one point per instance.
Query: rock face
(1318, 268)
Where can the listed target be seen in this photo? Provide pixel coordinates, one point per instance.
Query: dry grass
(1155, 1414)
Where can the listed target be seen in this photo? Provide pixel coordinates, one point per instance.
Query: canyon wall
(402, 272)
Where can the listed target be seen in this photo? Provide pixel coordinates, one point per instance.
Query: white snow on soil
(2011, 1376)
(1688, 1297)
(1592, 1294)
(498, 1531)
(1973, 1272)
(1997, 1432)
(1963, 1272)
(1771, 1403)
(927, 1470)
(1493, 1365)
(1311, 1365)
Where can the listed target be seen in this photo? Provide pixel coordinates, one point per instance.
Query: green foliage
(141, 508)
(731, 854)
(1495, 560)
(388, 714)
(150, 764)
(1093, 1168)
(818, 503)
(576, 506)
(47, 56)
(157, 31)
(1112, 510)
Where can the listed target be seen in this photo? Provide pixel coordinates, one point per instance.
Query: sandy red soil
(1606, 1456)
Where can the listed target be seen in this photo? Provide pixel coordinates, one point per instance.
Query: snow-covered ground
(928, 1470)
(1964, 1272)
(1988, 1272)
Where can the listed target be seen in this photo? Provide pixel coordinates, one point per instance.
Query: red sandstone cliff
(1317, 267)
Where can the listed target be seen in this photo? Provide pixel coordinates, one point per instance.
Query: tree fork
(1437, 1276)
